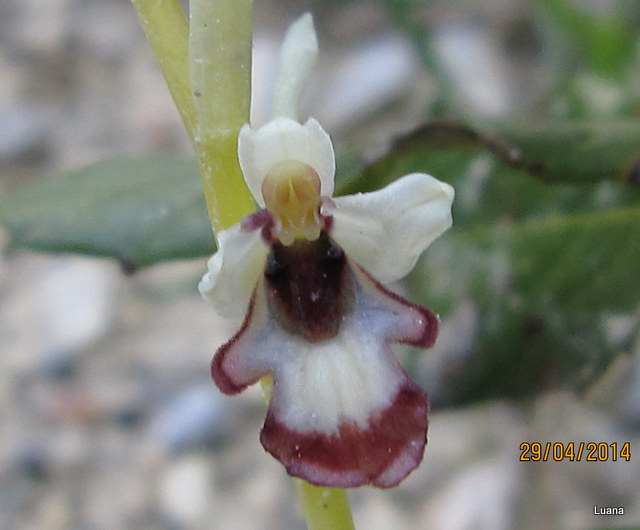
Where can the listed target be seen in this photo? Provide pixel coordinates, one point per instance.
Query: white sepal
(385, 231)
(298, 56)
(285, 139)
(234, 270)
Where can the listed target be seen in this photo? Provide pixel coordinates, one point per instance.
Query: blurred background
(108, 418)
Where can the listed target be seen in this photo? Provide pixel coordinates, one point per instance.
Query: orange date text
(574, 451)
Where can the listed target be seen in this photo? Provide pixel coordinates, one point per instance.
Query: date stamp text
(575, 451)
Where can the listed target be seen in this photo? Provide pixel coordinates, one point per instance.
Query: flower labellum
(307, 271)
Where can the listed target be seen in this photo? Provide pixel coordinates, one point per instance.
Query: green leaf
(138, 210)
(577, 153)
(557, 153)
(580, 262)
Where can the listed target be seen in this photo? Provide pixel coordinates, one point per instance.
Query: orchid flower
(307, 271)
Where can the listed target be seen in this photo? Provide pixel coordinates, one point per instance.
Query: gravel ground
(108, 419)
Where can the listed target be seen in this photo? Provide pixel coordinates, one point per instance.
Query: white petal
(385, 231)
(285, 139)
(234, 270)
(298, 56)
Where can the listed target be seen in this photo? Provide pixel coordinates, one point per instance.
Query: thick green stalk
(220, 37)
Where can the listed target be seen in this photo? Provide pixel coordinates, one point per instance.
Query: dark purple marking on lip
(382, 454)
(309, 287)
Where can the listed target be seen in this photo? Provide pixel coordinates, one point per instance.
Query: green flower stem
(324, 508)
(167, 31)
(220, 37)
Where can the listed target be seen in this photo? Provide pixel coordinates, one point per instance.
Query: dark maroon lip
(309, 287)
